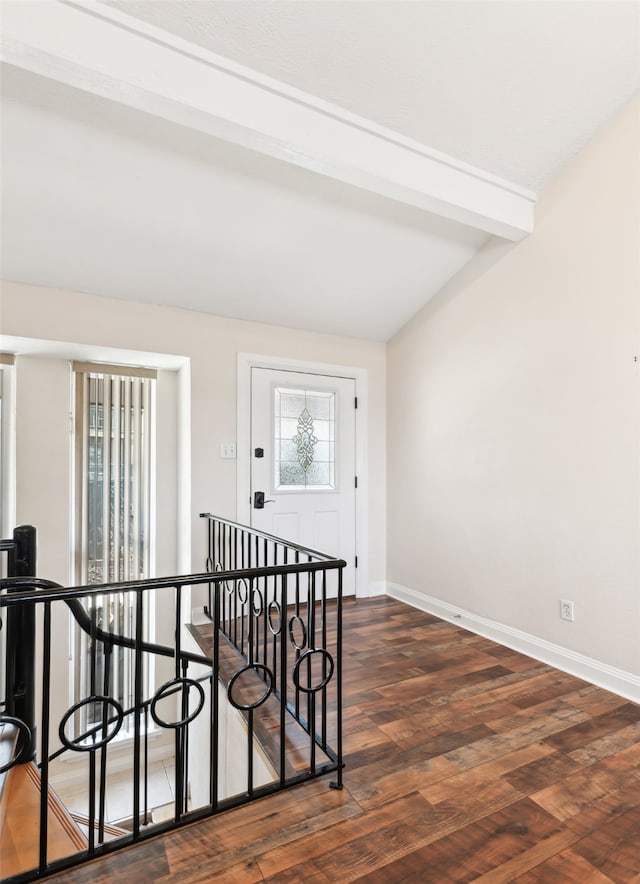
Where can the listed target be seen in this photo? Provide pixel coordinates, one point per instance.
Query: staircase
(268, 657)
(20, 817)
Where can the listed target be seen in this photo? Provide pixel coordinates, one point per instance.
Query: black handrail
(295, 547)
(50, 591)
(84, 621)
(264, 665)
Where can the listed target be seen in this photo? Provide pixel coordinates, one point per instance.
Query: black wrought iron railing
(17, 657)
(283, 616)
(241, 703)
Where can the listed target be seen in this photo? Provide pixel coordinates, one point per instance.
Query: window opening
(113, 473)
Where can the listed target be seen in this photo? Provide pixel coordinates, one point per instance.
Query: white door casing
(331, 518)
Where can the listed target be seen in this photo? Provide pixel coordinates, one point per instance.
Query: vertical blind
(113, 454)
(113, 472)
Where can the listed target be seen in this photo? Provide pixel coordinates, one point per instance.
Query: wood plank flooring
(19, 816)
(465, 761)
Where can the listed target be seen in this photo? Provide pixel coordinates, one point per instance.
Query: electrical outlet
(566, 610)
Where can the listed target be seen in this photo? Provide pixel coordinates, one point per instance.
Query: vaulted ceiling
(320, 165)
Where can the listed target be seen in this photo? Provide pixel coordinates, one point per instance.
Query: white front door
(303, 461)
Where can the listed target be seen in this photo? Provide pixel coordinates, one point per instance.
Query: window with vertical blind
(114, 443)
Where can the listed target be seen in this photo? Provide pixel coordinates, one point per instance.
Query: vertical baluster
(283, 674)
(137, 705)
(338, 677)
(240, 616)
(102, 793)
(268, 582)
(311, 643)
(145, 821)
(250, 660)
(180, 785)
(297, 613)
(209, 565)
(44, 731)
(213, 735)
(323, 615)
(184, 738)
(92, 753)
(282, 609)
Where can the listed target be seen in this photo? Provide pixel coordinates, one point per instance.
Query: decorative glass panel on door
(304, 440)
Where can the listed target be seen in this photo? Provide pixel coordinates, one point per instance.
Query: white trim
(8, 448)
(105, 52)
(247, 361)
(377, 588)
(185, 513)
(618, 681)
(70, 350)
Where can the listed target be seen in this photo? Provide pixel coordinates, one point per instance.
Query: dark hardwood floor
(465, 761)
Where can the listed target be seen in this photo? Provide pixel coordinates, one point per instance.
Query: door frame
(247, 361)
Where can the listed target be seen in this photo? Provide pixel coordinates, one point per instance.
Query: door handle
(259, 501)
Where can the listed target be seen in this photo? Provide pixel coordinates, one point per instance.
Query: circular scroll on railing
(242, 591)
(99, 734)
(24, 738)
(228, 585)
(316, 666)
(168, 689)
(274, 606)
(248, 689)
(297, 633)
(257, 602)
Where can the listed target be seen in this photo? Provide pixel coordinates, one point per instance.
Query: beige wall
(513, 424)
(513, 419)
(211, 345)
(43, 391)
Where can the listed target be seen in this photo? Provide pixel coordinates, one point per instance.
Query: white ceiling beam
(102, 51)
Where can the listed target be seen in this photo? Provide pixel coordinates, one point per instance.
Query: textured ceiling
(514, 88)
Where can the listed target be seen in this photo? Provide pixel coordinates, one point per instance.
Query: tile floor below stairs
(119, 801)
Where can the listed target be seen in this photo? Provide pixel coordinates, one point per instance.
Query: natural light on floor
(119, 797)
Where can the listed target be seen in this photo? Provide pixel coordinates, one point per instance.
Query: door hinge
(356, 561)
(355, 402)
(355, 481)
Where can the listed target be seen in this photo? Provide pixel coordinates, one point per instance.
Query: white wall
(43, 404)
(514, 424)
(7, 454)
(196, 403)
(211, 345)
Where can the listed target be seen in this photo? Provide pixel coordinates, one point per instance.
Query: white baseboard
(618, 681)
(377, 587)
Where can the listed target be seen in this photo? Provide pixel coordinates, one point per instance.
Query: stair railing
(272, 654)
(18, 634)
